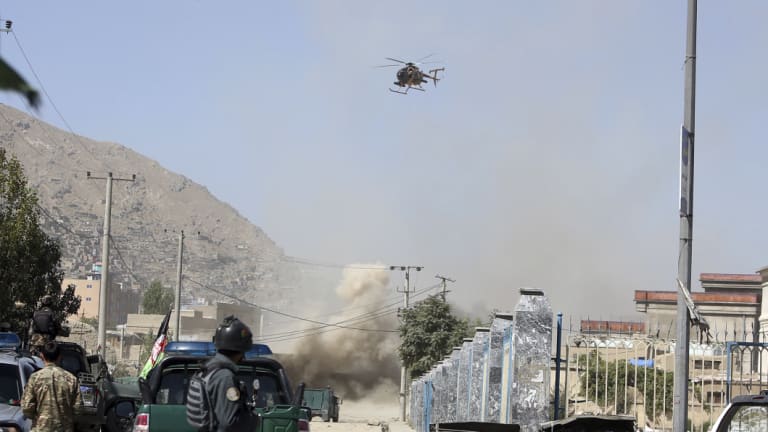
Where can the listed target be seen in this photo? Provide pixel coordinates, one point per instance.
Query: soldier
(44, 326)
(226, 394)
(52, 396)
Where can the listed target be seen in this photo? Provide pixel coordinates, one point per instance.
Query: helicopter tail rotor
(433, 74)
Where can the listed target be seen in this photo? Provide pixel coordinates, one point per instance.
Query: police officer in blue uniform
(227, 394)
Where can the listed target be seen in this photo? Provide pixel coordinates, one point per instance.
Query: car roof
(761, 398)
(9, 357)
(259, 362)
(205, 348)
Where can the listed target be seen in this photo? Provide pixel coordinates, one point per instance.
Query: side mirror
(341, 401)
(256, 385)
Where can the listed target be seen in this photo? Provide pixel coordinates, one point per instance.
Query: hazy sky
(547, 157)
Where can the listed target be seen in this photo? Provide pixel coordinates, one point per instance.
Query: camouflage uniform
(52, 400)
(37, 340)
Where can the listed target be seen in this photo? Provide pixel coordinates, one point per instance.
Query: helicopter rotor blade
(395, 60)
(383, 66)
(424, 58)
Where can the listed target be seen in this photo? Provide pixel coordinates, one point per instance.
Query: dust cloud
(359, 360)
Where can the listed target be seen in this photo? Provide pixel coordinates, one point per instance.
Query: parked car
(744, 414)
(15, 369)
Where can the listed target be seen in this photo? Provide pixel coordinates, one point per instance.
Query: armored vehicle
(323, 403)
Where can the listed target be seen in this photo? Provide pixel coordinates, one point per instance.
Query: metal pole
(406, 298)
(177, 301)
(122, 341)
(261, 323)
(403, 370)
(680, 398)
(557, 363)
(103, 289)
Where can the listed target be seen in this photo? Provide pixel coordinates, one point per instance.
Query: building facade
(88, 290)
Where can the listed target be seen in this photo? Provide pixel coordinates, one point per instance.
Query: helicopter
(410, 76)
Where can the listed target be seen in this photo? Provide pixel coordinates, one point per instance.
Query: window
(87, 299)
(173, 387)
(10, 384)
(89, 286)
(749, 418)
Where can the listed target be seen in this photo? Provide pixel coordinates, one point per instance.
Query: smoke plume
(353, 362)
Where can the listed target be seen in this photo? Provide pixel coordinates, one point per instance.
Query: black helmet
(47, 300)
(233, 335)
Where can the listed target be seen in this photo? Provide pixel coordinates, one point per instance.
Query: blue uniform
(228, 396)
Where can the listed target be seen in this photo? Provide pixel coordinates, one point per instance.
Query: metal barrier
(608, 374)
(750, 363)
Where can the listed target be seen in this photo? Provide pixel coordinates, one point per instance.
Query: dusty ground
(363, 416)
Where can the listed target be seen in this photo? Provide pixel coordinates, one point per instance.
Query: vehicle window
(269, 390)
(173, 387)
(72, 363)
(749, 418)
(10, 384)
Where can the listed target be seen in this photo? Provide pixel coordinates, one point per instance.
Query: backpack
(199, 411)
(43, 323)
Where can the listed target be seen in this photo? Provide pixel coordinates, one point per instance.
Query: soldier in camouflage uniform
(52, 396)
(44, 326)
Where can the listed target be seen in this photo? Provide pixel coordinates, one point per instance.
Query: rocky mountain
(229, 254)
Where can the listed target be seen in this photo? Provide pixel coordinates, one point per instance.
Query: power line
(385, 308)
(295, 260)
(283, 313)
(62, 225)
(303, 335)
(125, 263)
(77, 137)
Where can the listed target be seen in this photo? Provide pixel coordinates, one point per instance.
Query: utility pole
(445, 279)
(177, 301)
(104, 289)
(680, 394)
(406, 301)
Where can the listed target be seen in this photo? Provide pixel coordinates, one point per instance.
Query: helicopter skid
(406, 90)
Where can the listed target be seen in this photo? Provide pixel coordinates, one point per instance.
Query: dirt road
(363, 416)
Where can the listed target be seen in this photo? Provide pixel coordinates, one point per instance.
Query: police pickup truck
(164, 391)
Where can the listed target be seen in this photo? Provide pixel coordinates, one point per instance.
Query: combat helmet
(233, 335)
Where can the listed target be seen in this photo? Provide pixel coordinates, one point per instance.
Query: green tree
(29, 258)
(11, 80)
(157, 299)
(428, 332)
(601, 374)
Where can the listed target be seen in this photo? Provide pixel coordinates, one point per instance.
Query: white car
(744, 414)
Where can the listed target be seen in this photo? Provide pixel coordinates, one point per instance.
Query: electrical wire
(128, 268)
(295, 260)
(202, 285)
(63, 226)
(77, 137)
(387, 309)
